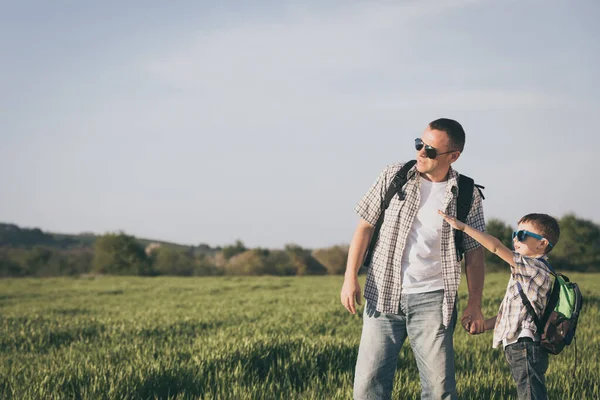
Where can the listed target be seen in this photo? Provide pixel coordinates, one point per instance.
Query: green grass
(234, 338)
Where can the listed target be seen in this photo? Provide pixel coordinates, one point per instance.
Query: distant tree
(250, 262)
(219, 260)
(293, 260)
(79, 261)
(57, 265)
(279, 262)
(10, 266)
(37, 259)
(205, 249)
(332, 258)
(502, 231)
(303, 261)
(168, 261)
(14, 236)
(205, 266)
(120, 254)
(43, 261)
(578, 247)
(237, 248)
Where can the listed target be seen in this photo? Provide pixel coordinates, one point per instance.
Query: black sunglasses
(430, 151)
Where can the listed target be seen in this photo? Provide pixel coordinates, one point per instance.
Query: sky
(266, 121)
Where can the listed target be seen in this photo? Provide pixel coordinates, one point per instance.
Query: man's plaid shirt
(536, 282)
(383, 286)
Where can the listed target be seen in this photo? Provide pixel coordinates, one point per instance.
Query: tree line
(35, 253)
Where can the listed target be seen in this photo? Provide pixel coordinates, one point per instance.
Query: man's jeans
(528, 363)
(419, 319)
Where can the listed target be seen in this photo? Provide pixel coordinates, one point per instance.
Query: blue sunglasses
(522, 235)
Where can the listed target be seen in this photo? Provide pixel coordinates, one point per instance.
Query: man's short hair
(546, 225)
(453, 129)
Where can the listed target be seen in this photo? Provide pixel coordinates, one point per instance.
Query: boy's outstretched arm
(489, 242)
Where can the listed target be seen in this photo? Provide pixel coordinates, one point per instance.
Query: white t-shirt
(421, 259)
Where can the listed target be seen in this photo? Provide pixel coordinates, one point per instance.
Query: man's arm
(472, 318)
(356, 254)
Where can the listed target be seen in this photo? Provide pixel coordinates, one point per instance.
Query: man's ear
(454, 156)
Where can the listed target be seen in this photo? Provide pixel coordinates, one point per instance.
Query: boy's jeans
(419, 319)
(528, 363)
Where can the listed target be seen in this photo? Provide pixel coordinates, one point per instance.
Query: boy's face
(530, 247)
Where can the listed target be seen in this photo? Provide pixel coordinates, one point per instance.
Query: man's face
(440, 165)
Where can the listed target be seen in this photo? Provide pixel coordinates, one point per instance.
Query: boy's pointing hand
(455, 223)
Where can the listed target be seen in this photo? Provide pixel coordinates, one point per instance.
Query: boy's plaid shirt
(383, 286)
(536, 282)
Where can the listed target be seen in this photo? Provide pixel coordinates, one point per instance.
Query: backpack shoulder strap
(539, 325)
(554, 294)
(398, 181)
(464, 202)
(465, 197)
(547, 264)
(479, 189)
(550, 305)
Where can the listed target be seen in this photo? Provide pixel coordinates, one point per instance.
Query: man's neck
(437, 177)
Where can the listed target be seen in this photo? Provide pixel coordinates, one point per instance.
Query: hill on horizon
(12, 235)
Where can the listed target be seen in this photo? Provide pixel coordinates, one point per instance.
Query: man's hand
(350, 293)
(472, 319)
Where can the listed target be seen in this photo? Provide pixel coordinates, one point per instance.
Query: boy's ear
(545, 243)
(454, 156)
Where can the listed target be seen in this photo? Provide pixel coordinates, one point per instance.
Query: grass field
(235, 338)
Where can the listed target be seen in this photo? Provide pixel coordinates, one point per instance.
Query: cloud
(312, 69)
(303, 51)
(370, 57)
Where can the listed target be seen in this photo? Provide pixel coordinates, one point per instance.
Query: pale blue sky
(207, 122)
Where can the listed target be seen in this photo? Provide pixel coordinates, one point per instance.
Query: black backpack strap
(463, 206)
(529, 307)
(552, 300)
(479, 189)
(398, 182)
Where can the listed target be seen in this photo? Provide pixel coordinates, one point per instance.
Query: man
(413, 277)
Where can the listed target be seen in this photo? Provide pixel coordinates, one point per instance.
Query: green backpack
(558, 324)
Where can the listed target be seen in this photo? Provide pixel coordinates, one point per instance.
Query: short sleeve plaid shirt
(537, 282)
(384, 284)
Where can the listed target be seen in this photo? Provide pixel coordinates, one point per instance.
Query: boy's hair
(453, 129)
(546, 225)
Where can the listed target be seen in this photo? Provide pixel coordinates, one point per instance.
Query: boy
(514, 328)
